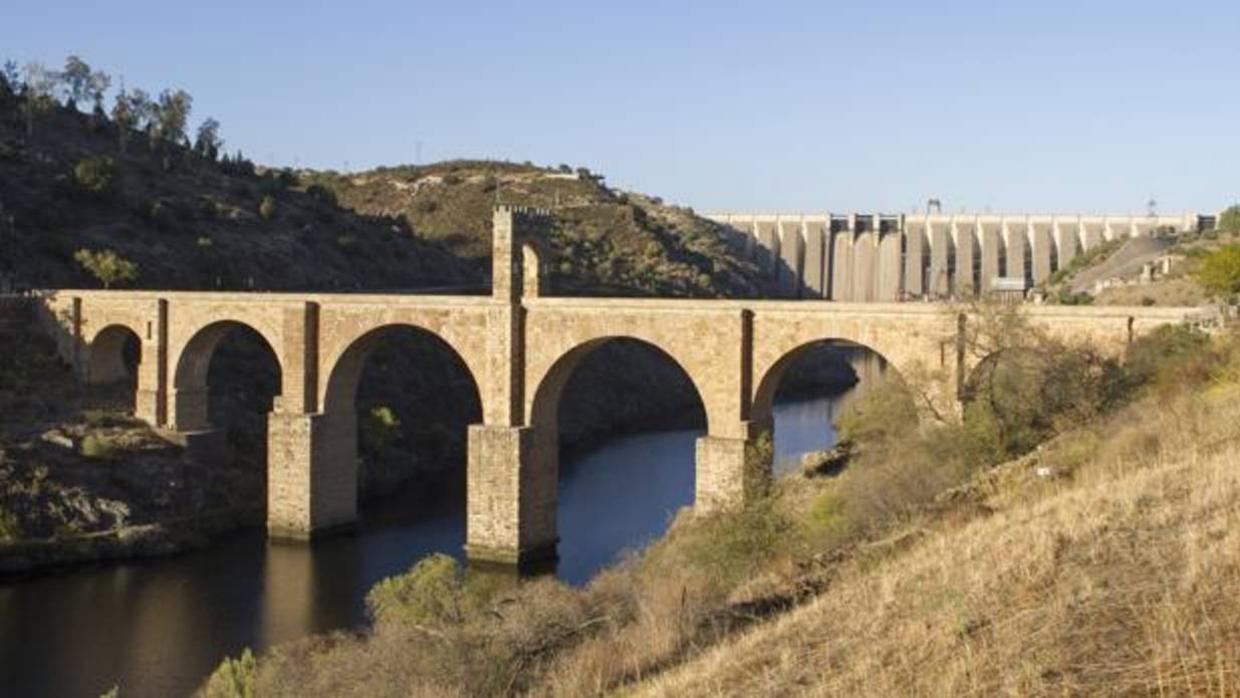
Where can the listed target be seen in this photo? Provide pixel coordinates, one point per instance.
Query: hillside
(1111, 273)
(193, 226)
(191, 222)
(604, 241)
(1115, 575)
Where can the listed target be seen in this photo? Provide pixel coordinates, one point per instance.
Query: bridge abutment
(311, 473)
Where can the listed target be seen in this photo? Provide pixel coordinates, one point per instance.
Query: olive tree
(107, 266)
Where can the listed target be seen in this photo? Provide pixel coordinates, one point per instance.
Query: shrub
(430, 593)
(95, 175)
(730, 548)
(380, 429)
(267, 207)
(1219, 271)
(322, 194)
(10, 526)
(234, 678)
(107, 266)
(1229, 220)
(98, 447)
(1171, 356)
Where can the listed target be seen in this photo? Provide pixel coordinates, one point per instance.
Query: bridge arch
(770, 381)
(346, 377)
(193, 364)
(345, 374)
(543, 477)
(115, 352)
(544, 407)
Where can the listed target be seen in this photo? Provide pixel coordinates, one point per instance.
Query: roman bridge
(520, 347)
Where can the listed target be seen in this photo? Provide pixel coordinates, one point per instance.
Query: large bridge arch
(344, 379)
(913, 340)
(193, 362)
(345, 372)
(709, 345)
(540, 479)
(545, 402)
(350, 332)
(769, 383)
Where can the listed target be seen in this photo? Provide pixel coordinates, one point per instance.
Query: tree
(76, 80)
(40, 84)
(208, 144)
(1229, 220)
(99, 84)
(125, 118)
(107, 266)
(172, 114)
(10, 77)
(1219, 271)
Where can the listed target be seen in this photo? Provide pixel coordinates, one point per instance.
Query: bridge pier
(733, 470)
(511, 496)
(311, 473)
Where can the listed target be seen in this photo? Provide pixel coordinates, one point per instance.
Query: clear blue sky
(1038, 106)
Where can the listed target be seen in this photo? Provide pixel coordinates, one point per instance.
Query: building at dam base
(869, 258)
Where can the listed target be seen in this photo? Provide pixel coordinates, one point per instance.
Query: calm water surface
(158, 627)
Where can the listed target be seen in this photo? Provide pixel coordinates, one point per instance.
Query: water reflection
(158, 627)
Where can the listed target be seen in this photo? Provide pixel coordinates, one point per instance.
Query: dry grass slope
(1116, 577)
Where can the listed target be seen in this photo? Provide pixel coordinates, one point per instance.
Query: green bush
(435, 592)
(98, 447)
(1171, 356)
(1229, 220)
(95, 175)
(1219, 271)
(234, 678)
(730, 548)
(107, 266)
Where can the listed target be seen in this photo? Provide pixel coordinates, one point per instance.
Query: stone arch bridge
(520, 347)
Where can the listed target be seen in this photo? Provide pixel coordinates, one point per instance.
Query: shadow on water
(159, 627)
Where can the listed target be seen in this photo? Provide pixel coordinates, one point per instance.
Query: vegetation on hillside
(188, 215)
(604, 241)
(441, 631)
(1196, 274)
(76, 471)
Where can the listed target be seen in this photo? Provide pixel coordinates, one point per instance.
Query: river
(159, 627)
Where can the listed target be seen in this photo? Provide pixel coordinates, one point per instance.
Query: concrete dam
(878, 257)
